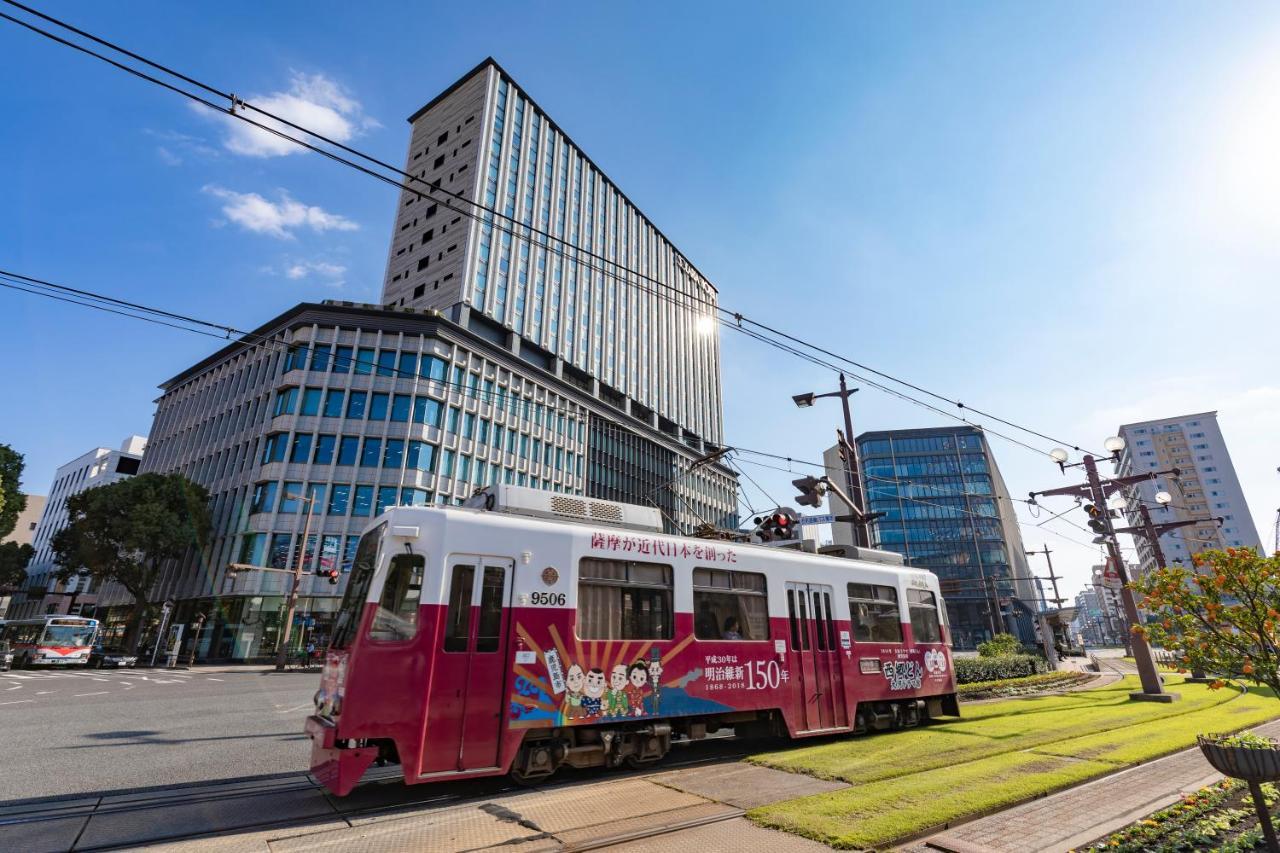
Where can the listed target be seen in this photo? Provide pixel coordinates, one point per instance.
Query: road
(78, 731)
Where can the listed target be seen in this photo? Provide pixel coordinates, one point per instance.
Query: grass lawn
(999, 754)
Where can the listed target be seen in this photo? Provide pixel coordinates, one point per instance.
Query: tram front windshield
(362, 567)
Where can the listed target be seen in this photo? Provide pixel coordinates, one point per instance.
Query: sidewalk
(1071, 818)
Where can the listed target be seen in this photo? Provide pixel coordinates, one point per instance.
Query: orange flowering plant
(1220, 618)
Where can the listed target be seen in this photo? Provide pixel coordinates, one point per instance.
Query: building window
(426, 411)
(387, 362)
(369, 456)
(363, 502)
(324, 449)
(400, 405)
(364, 361)
(874, 612)
(286, 401)
(301, 448)
(342, 360)
(730, 605)
(378, 406)
(273, 449)
(386, 498)
(356, 404)
(289, 497)
(347, 450)
(311, 401)
(264, 497)
(393, 455)
(624, 600)
(339, 497)
(333, 403)
(320, 357)
(421, 456)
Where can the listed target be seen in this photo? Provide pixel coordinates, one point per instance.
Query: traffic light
(1096, 524)
(781, 525)
(810, 495)
(332, 575)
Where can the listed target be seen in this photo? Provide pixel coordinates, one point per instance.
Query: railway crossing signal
(781, 525)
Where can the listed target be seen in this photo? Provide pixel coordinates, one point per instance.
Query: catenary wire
(546, 236)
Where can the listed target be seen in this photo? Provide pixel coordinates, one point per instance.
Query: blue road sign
(817, 519)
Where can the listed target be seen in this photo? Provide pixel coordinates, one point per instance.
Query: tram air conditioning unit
(539, 503)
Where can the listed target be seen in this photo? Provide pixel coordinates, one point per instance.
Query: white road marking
(43, 692)
(297, 708)
(95, 678)
(17, 702)
(213, 679)
(99, 693)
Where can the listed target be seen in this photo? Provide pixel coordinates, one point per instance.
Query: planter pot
(1254, 765)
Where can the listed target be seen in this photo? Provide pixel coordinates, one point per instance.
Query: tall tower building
(570, 269)
(1207, 487)
(946, 509)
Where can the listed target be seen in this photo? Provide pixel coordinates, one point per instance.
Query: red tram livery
(535, 630)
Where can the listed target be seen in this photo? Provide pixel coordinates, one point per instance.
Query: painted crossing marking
(213, 679)
(99, 693)
(17, 701)
(296, 708)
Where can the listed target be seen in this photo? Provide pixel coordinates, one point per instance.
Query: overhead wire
(573, 253)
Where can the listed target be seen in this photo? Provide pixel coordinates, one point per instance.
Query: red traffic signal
(332, 575)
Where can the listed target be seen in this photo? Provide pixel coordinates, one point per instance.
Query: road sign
(1111, 577)
(817, 519)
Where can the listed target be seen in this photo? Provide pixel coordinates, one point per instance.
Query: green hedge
(969, 670)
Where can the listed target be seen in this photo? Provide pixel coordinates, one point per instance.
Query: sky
(1065, 214)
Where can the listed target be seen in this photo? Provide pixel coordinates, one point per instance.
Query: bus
(50, 640)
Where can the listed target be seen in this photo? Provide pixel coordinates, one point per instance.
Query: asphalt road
(80, 731)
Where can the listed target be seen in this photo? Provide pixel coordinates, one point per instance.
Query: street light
(1113, 445)
(849, 452)
(1059, 455)
(1164, 498)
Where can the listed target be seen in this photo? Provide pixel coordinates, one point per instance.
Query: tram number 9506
(547, 599)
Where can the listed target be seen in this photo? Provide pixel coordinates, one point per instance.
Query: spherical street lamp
(1114, 444)
(1164, 498)
(1058, 455)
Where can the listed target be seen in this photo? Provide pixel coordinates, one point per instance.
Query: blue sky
(1065, 213)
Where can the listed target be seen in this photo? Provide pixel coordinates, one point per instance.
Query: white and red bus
(536, 630)
(51, 640)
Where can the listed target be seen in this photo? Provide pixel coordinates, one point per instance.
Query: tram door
(465, 714)
(815, 647)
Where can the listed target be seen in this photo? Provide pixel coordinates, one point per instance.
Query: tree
(12, 500)
(13, 566)
(125, 531)
(999, 645)
(1222, 618)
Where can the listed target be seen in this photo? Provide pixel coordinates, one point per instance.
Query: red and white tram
(549, 630)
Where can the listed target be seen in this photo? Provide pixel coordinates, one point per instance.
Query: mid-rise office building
(1206, 487)
(45, 593)
(568, 357)
(946, 509)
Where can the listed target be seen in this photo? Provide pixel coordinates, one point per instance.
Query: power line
(236, 109)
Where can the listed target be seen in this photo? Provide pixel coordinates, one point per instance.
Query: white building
(98, 467)
(1206, 488)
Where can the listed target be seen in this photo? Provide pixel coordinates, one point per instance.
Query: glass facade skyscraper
(946, 509)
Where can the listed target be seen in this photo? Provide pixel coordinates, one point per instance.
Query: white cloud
(312, 101)
(276, 219)
(329, 274)
(174, 146)
(168, 157)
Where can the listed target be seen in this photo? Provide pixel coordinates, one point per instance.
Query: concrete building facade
(24, 530)
(99, 467)
(946, 509)
(1207, 487)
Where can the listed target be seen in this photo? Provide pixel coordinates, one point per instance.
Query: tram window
(362, 565)
(875, 614)
(397, 615)
(730, 605)
(490, 627)
(791, 618)
(831, 622)
(924, 616)
(819, 627)
(457, 627)
(624, 600)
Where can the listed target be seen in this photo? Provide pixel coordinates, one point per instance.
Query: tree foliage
(1221, 618)
(1000, 644)
(13, 565)
(125, 531)
(12, 500)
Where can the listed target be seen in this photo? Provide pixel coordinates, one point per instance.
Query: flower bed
(1020, 686)
(1220, 818)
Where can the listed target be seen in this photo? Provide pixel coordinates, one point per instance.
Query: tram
(527, 631)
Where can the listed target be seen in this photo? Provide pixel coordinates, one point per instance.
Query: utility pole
(283, 650)
(1046, 630)
(1058, 600)
(1152, 532)
(1097, 491)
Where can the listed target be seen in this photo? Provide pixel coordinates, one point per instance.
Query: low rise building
(45, 593)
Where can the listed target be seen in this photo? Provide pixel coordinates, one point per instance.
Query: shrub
(999, 646)
(969, 670)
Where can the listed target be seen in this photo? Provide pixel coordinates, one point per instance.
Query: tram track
(478, 792)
